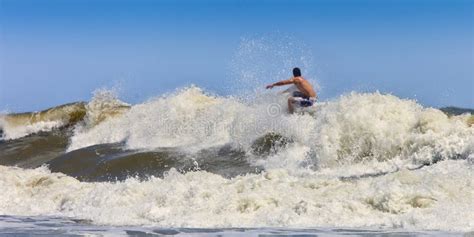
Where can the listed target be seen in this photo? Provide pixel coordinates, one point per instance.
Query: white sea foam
(355, 162)
(354, 128)
(437, 197)
(13, 131)
(103, 105)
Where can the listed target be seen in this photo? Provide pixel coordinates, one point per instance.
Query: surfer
(305, 96)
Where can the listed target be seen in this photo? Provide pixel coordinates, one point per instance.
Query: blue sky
(54, 52)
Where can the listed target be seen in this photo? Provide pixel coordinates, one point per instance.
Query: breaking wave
(354, 128)
(191, 159)
(103, 105)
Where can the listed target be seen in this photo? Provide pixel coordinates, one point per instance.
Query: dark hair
(296, 72)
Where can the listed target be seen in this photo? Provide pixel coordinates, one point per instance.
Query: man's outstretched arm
(281, 83)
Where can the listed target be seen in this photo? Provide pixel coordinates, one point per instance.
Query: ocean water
(54, 226)
(191, 164)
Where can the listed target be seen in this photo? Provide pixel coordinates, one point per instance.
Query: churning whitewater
(191, 159)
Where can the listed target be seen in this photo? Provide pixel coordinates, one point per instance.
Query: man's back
(304, 87)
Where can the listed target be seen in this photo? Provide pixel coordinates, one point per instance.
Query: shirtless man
(305, 96)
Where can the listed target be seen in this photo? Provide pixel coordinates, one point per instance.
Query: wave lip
(22, 124)
(103, 105)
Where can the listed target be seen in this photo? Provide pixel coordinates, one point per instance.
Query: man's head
(296, 72)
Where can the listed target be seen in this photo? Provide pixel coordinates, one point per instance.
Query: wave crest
(357, 127)
(103, 105)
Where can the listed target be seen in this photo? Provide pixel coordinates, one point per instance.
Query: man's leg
(290, 105)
